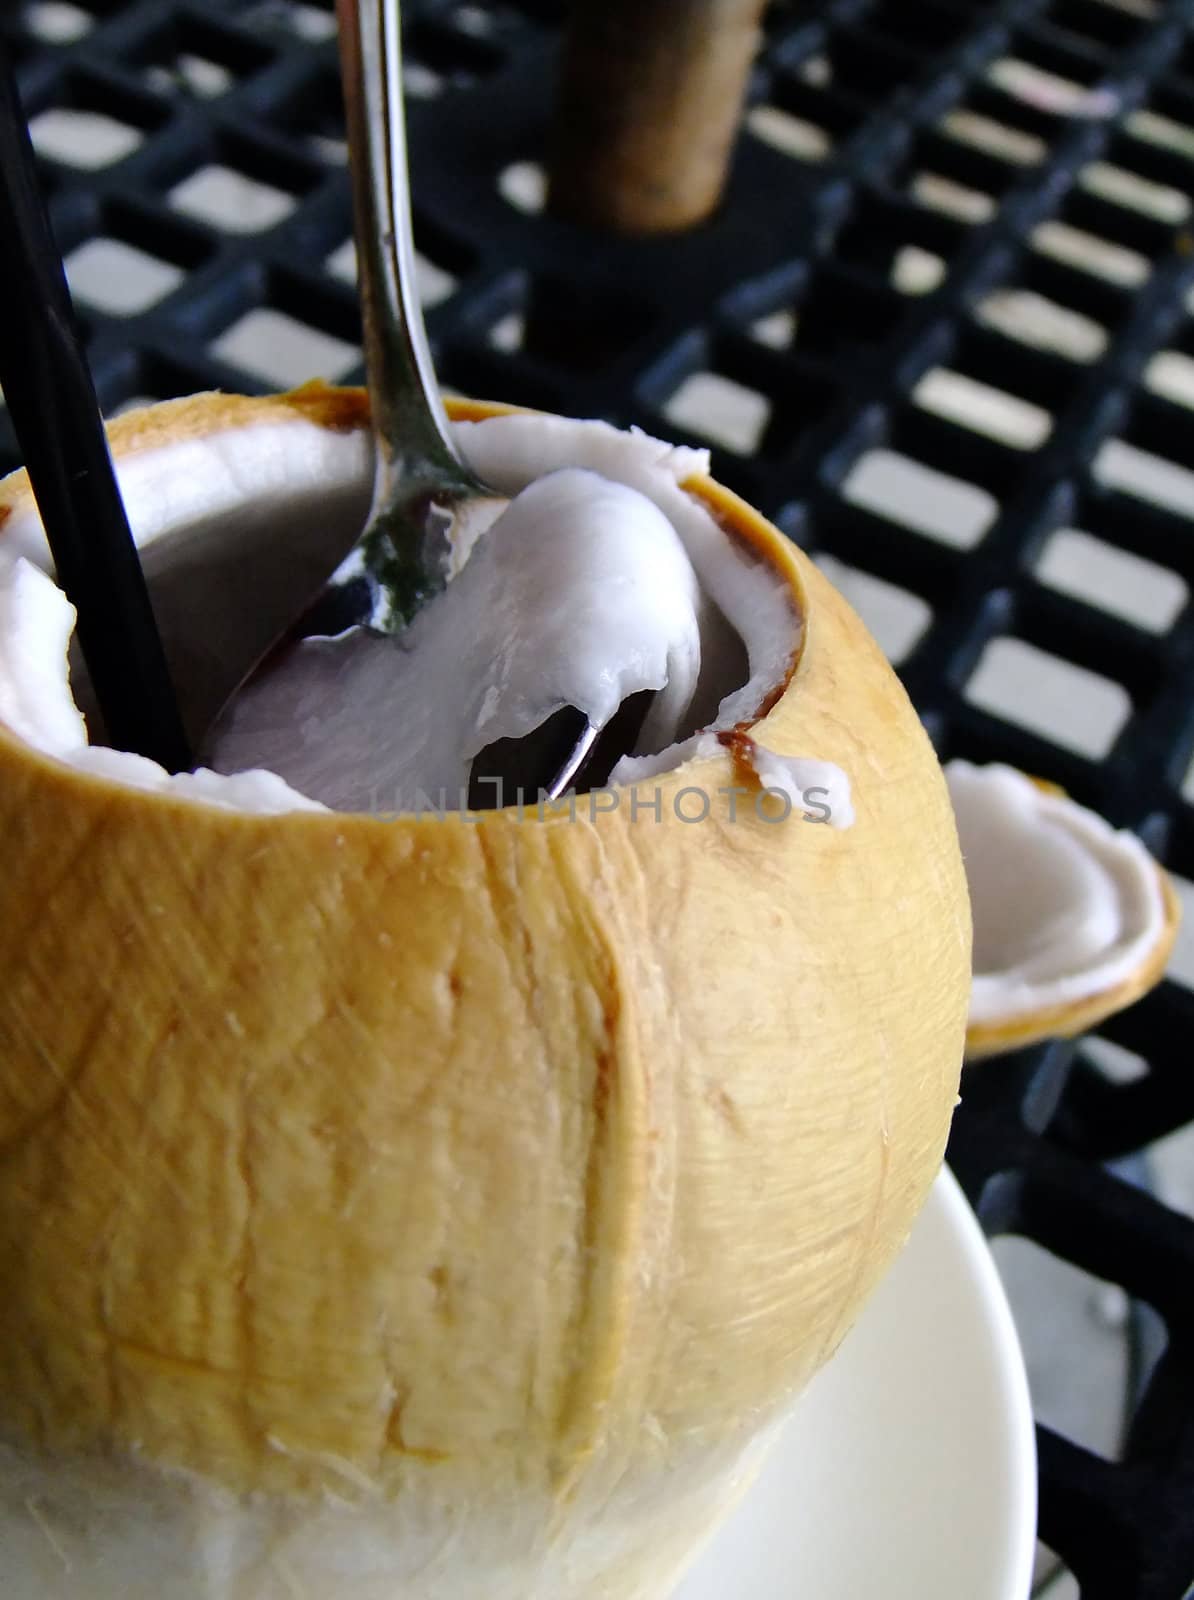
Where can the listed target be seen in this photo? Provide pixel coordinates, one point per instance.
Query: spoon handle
(409, 422)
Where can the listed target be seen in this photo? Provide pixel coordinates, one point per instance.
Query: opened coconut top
(601, 577)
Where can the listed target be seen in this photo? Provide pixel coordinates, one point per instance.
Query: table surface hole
(311, 23)
(1165, 132)
(1049, 91)
(1138, 472)
(277, 347)
(953, 199)
(1123, 187)
(1074, 247)
(420, 81)
(948, 509)
(790, 135)
(231, 200)
(915, 271)
(1117, 581)
(56, 21)
(1034, 320)
(1067, 704)
(721, 409)
(1113, 1061)
(1008, 418)
(118, 278)
(191, 74)
(87, 140)
(524, 185)
(993, 138)
(1181, 963)
(777, 329)
(1171, 373)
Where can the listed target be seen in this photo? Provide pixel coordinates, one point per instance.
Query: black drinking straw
(48, 389)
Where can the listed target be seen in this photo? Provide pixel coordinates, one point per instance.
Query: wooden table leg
(650, 100)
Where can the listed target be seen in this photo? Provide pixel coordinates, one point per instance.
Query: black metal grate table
(934, 200)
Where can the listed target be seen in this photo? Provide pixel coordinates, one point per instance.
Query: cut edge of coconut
(1088, 970)
(196, 416)
(202, 417)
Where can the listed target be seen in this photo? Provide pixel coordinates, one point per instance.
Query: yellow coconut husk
(445, 1209)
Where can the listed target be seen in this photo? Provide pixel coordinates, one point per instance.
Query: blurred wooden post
(649, 105)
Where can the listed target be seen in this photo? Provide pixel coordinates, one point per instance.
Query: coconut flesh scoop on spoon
(579, 594)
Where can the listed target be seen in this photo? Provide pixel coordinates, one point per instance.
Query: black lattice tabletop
(941, 330)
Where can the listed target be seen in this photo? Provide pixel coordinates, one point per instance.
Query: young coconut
(437, 1208)
(1073, 920)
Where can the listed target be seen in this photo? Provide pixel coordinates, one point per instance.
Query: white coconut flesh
(1065, 907)
(580, 593)
(601, 577)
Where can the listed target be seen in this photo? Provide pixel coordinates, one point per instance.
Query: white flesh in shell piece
(1073, 919)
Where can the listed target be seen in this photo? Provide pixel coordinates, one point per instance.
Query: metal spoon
(422, 485)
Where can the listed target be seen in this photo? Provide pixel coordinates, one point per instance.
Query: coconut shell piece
(1073, 920)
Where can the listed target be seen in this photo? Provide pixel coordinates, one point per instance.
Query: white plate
(908, 1469)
